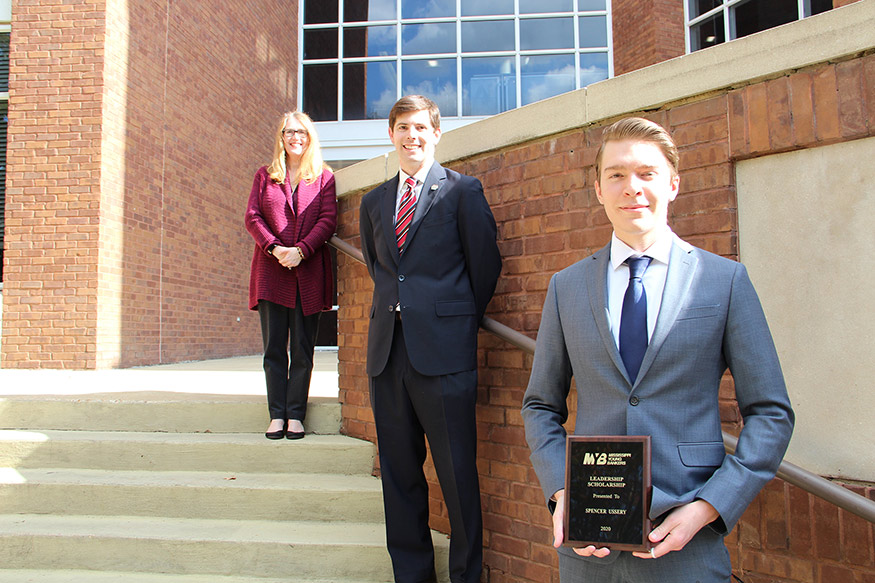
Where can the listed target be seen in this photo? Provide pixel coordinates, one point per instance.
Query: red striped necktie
(405, 213)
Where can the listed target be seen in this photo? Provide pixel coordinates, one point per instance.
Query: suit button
(633, 401)
(401, 277)
(391, 308)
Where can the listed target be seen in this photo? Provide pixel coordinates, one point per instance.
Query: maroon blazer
(270, 219)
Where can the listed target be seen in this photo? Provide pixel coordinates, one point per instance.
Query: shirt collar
(420, 175)
(660, 250)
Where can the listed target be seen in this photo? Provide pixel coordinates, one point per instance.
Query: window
(711, 22)
(474, 58)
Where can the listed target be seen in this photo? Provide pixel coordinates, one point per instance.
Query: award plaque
(607, 492)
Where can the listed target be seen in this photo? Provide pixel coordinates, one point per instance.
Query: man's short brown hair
(410, 103)
(638, 128)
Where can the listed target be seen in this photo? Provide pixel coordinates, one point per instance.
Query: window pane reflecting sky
(486, 7)
(544, 76)
(422, 39)
(434, 78)
(547, 33)
(495, 35)
(379, 83)
(427, 8)
(369, 41)
(488, 85)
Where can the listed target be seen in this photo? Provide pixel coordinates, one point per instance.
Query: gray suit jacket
(710, 319)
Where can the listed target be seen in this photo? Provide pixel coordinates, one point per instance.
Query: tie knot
(637, 266)
(410, 182)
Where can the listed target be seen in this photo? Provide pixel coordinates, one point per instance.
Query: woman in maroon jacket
(292, 212)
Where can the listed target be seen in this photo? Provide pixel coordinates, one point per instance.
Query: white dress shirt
(402, 186)
(653, 279)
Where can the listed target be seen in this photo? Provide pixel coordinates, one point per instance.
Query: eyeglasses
(299, 133)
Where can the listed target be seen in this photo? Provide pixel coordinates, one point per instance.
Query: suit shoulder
(374, 193)
(573, 273)
(712, 261)
(458, 177)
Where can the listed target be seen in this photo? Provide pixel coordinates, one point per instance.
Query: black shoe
(294, 434)
(276, 434)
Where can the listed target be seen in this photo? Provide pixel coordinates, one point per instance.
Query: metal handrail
(790, 473)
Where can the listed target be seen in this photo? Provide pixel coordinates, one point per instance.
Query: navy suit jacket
(710, 319)
(443, 280)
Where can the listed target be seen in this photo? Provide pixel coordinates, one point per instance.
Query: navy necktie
(633, 318)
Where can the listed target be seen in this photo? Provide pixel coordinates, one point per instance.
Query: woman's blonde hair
(311, 165)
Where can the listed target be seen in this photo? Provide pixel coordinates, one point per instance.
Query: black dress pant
(288, 337)
(407, 408)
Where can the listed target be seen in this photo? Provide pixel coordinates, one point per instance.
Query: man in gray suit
(647, 352)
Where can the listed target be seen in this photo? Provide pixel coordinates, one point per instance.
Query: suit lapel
(387, 214)
(430, 191)
(681, 269)
(596, 287)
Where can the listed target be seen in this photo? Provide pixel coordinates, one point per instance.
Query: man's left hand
(679, 527)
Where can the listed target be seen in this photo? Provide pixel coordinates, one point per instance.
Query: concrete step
(166, 411)
(217, 452)
(217, 495)
(81, 576)
(334, 551)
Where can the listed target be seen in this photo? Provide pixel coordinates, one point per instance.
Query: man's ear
(675, 187)
(598, 192)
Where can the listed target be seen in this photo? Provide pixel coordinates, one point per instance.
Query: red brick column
(53, 185)
(646, 32)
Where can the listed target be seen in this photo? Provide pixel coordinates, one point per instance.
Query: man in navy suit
(429, 242)
(699, 316)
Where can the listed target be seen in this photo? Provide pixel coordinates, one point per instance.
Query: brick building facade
(541, 194)
(135, 130)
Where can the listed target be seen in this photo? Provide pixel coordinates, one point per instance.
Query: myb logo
(590, 459)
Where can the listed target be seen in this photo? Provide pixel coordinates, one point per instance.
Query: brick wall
(52, 189)
(135, 131)
(542, 197)
(646, 32)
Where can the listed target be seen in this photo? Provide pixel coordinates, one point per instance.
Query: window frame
(727, 9)
(345, 140)
(458, 55)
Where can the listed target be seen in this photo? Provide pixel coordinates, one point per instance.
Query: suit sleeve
(762, 400)
(545, 408)
(478, 234)
(366, 233)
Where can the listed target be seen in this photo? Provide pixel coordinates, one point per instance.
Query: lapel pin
(434, 187)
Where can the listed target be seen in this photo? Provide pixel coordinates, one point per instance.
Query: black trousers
(288, 337)
(408, 407)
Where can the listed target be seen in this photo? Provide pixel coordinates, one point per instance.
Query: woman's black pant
(288, 337)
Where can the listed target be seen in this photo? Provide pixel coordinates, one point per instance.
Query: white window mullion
(728, 23)
(575, 23)
(686, 28)
(518, 57)
(340, 64)
(398, 86)
(459, 87)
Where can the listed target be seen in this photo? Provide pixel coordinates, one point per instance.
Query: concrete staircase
(136, 487)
